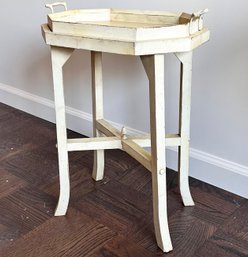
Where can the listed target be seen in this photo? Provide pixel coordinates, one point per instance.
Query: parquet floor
(105, 219)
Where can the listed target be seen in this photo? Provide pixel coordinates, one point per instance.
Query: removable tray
(124, 25)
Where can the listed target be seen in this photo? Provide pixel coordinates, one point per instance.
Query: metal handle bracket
(197, 16)
(51, 6)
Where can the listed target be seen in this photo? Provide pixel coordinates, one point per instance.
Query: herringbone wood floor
(108, 218)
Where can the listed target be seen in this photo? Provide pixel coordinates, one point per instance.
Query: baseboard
(212, 169)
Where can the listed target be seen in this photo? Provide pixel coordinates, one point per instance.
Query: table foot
(160, 210)
(63, 202)
(183, 157)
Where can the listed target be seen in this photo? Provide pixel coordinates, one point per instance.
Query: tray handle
(200, 13)
(51, 6)
(197, 15)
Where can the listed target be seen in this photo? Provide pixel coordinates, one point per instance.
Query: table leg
(59, 58)
(154, 66)
(97, 109)
(184, 126)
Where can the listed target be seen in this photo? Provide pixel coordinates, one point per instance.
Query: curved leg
(59, 57)
(154, 66)
(184, 126)
(97, 107)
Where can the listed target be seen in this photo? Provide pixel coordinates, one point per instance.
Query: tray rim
(119, 11)
(162, 46)
(178, 24)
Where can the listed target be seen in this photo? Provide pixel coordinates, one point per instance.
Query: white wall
(219, 122)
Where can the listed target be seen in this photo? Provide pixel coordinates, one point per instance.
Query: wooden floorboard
(109, 218)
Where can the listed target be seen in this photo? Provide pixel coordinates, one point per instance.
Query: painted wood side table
(146, 34)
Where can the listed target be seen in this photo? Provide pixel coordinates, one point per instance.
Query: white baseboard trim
(212, 169)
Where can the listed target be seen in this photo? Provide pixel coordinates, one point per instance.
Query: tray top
(148, 18)
(125, 27)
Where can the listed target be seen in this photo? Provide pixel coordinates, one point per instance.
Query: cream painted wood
(97, 111)
(123, 133)
(127, 25)
(142, 140)
(107, 129)
(154, 67)
(138, 153)
(146, 34)
(97, 143)
(126, 47)
(184, 126)
(172, 45)
(145, 141)
(59, 58)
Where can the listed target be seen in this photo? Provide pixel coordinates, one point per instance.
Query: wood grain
(64, 239)
(121, 247)
(9, 183)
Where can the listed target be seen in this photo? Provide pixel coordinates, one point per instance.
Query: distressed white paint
(59, 58)
(145, 140)
(97, 111)
(213, 73)
(184, 126)
(209, 82)
(125, 47)
(97, 143)
(154, 67)
(204, 166)
(126, 25)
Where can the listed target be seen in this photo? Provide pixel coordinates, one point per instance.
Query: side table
(148, 35)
